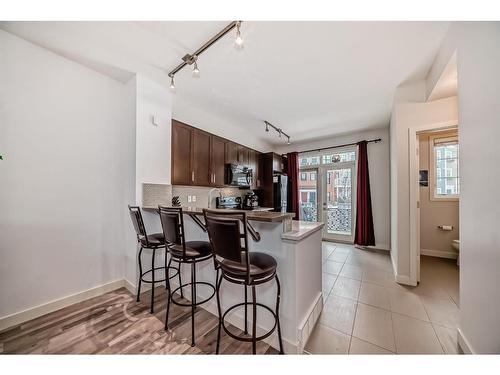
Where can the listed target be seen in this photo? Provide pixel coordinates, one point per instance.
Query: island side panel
(270, 243)
(308, 278)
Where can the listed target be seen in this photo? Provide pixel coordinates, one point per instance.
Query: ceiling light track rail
(278, 130)
(191, 58)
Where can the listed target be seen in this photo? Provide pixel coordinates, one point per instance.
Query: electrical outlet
(189, 199)
(194, 198)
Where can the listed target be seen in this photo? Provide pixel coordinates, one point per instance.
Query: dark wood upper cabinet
(199, 158)
(181, 153)
(231, 153)
(200, 161)
(253, 164)
(243, 155)
(217, 161)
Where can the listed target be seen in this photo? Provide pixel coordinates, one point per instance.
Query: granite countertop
(257, 215)
(301, 230)
(261, 214)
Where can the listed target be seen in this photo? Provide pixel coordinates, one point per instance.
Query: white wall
(153, 156)
(406, 115)
(67, 135)
(479, 112)
(378, 161)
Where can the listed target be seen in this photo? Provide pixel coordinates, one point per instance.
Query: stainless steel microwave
(238, 175)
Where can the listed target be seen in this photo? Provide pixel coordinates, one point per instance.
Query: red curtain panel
(364, 234)
(293, 177)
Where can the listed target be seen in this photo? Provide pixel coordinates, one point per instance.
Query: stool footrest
(249, 339)
(159, 280)
(191, 304)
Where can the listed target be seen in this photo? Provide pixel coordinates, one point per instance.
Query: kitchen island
(296, 246)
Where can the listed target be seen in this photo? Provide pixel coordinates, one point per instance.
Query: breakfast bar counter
(296, 246)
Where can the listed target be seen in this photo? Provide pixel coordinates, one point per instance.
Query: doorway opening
(437, 191)
(327, 182)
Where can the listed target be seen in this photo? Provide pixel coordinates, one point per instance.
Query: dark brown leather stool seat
(194, 249)
(155, 239)
(261, 266)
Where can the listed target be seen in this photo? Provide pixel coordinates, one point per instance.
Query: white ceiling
(313, 79)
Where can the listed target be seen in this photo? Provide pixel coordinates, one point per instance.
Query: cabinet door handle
(192, 176)
(214, 178)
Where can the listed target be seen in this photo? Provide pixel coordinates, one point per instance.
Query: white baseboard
(403, 279)
(400, 279)
(463, 343)
(37, 311)
(307, 326)
(381, 246)
(439, 253)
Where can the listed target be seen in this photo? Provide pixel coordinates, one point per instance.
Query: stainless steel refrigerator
(280, 192)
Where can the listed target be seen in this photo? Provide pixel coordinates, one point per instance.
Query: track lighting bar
(191, 58)
(278, 130)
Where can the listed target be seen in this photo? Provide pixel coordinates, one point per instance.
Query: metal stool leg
(166, 268)
(246, 310)
(180, 281)
(169, 290)
(193, 299)
(140, 276)
(152, 280)
(254, 321)
(218, 282)
(278, 297)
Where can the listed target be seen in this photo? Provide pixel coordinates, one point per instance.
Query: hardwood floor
(115, 324)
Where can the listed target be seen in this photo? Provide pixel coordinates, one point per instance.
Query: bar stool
(153, 242)
(183, 252)
(240, 266)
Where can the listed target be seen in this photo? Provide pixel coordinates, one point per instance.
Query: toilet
(456, 245)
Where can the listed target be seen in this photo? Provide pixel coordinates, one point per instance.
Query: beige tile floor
(367, 312)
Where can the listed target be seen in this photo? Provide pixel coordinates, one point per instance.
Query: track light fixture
(238, 42)
(172, 84)
(278, 130)
(191, 59)
(196, 71)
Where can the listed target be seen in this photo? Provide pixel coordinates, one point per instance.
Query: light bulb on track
(172, 84)
(196, 71)
(238, 42)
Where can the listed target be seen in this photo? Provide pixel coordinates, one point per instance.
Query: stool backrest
(228, 236)
(140, 228)
(172, 223)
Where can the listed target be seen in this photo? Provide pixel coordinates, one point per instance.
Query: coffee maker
(250, 201)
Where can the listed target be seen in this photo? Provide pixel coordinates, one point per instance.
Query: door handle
(192, 176)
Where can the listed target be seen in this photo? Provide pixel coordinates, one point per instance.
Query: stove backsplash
(202, 193)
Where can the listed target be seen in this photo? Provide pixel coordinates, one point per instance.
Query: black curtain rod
(344, 145)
